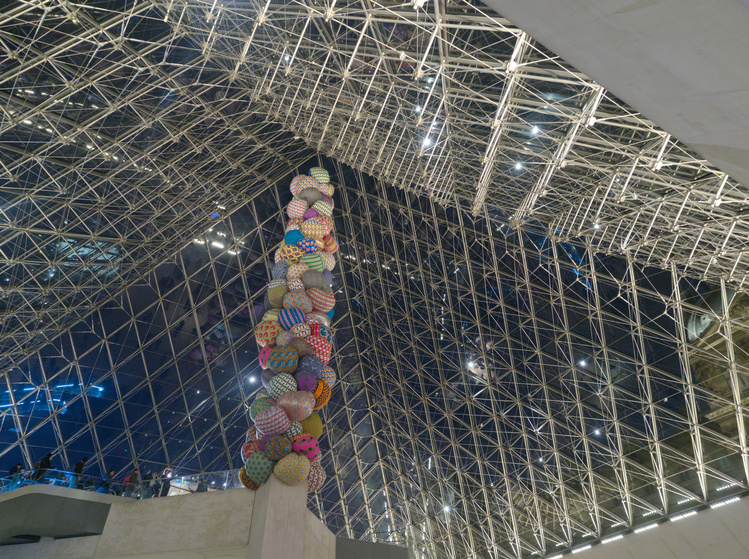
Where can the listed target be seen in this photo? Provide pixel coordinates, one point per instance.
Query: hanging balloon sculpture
(295, 342)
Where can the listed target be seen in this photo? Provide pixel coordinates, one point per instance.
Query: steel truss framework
(515, 379)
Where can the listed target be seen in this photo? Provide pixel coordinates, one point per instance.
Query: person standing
(132, 484)
(202, 486)
(152, 486)
(77, 477)
(166, 483)
(105, 486)
(41, 467)
(16, 474)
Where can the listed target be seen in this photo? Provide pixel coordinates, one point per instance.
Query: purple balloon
(328, 277)
(310, 213)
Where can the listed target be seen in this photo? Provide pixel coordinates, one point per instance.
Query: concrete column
(278, 521)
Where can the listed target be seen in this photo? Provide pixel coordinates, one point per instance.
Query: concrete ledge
(52, 512)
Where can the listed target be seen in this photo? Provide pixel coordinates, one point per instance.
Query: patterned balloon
(257, 406)
(309, 246)
(283, 359)
(292, 253)
(329, 260)
(306, 445)
(259, 467)
(331, 245)
(298, 404)
(306, 381)
(296, 285)
(329, 376)
(284, 338)
(273, 421)
(288, 317)
(321, 318)
(323, 208)
(266, 331)
(293, 225)
(320, 174)
(328, 222)
(311, 365)
(297, 300)
(300, 182)
(280, 269)
(322, 300)
(296, 271)
(316, 477)
(294, 430)
(278, 447)
(248, 448)
(314, 261)
(314, 228)
(323, 348)
(279, 385)
(245, 480)
(292, 469)
(321, 394)
(296, 208)
(301, 330)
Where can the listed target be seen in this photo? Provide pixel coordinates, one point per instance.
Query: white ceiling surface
(711, 534)
(682, 63)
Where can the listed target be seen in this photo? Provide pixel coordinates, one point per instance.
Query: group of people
(153, 486)
(133, 485)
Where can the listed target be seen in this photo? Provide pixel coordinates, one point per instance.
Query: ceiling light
(287, 58)
(583, 363)
(596, 226)
(518, 166)
(217, 244)
(417, 109)
(612, 539)
(471, 364)
(583, 548)
(252, 379)
(724, 503)
(682, 516)
(597, 432)
(427, 142)
(535, 130)
(646, 528)
(447, 508)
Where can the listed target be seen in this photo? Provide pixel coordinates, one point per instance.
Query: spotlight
(518, 166)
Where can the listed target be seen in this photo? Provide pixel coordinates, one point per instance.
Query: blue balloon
(330, 313)
(293, 237)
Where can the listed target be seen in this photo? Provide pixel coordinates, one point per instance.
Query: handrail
(165, 486)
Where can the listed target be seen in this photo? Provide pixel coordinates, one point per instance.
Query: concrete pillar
(278, 521)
